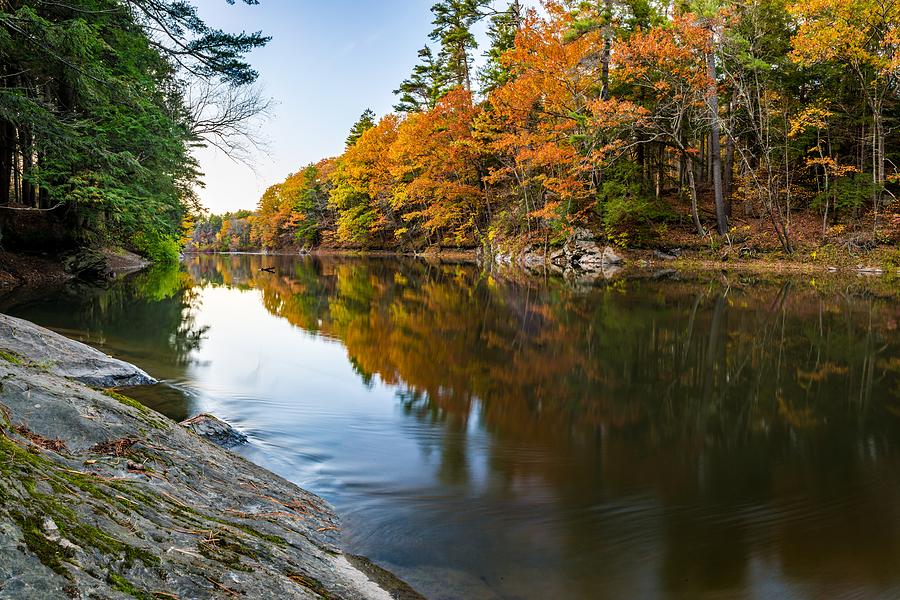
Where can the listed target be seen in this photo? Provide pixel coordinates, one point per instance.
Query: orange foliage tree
(435, 161)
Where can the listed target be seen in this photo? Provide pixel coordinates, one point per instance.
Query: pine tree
(96, 117)
(425, 86)
(502, 32)
(453, 21)
(365, 122)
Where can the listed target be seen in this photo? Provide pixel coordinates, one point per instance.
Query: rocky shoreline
(101, 497)
(583, 257)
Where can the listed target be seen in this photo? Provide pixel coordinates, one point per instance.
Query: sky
(327, 62)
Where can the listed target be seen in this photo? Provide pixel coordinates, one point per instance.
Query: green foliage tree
(453, 21)
(365, 122)
(424, 87)
(95, 125)
(502, 31)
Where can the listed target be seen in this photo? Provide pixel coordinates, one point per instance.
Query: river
(488, 437)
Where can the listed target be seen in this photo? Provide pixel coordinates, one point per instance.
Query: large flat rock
(67, 358)
(101, 497)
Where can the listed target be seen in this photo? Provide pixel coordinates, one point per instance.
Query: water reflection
(490, 438)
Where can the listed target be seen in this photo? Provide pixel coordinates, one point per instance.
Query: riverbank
(47, 270)
(882, 260)
(103, 497)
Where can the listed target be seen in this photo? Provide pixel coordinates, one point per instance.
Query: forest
(101, 104)
(767, 125)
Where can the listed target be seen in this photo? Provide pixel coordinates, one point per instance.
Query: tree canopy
(96, 119)
(761, 126)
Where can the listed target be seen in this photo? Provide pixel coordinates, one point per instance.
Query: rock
(664, 255)
(610, 257)
(582, 251)
(610, 271)
(580, 234)
(558, 257)
(66, 358)
(869, 270)
(215, 430)
(172, 513)
(532, 258)
(121, 262)
(88, 264)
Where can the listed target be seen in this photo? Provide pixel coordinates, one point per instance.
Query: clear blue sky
(328, 61)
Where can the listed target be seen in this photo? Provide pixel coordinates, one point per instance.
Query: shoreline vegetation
(873, 263)
(719, 130)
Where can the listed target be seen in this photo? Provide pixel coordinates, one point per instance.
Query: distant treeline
(769, 123)
(231, 232)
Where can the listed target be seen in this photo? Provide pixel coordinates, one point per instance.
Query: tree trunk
(641, 158)
(714, 148)
(878, 157)
(7, 143)
(728, 173)
(660, 170)
(27, 168)
(607, 49)
(695, 211)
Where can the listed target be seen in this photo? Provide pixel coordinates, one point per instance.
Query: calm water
(490, 439)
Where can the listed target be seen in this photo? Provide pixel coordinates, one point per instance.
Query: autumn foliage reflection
(542, 360)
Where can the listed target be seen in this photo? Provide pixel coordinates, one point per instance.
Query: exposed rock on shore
(66, 358)
(215, 430)
(101, 497)
(581, 256)
(98, 264)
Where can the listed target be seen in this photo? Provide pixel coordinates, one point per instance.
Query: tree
(609, 115)
(670, 66)
(865, 35)
(756, 67)
(502, 31)
(365, 122)
(362, 186)
(543, 120)
(95, 122)
(433, 160)
(453, 21)
(423, 89)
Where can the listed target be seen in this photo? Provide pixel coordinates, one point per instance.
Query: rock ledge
(101, 497)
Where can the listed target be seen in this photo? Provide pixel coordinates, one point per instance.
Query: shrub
(156, 247)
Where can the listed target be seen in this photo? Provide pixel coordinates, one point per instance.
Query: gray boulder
(215, 430)
(88, 264)
(582, 252)
(532, 258)
(610, 258)
(66, 358)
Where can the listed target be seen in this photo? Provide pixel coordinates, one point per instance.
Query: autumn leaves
(603, 114)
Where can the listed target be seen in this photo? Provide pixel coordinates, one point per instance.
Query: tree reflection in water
(672, 438)
(758, 415)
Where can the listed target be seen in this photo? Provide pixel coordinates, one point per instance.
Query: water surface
(484, 438)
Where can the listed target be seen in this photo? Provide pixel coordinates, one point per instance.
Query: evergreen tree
(425, 86)
(453, 21)
(502, 32)
(365, 122)
(95, 125)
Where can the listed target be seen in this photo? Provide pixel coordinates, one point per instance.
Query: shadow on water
(145, 319)
(491, 438)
